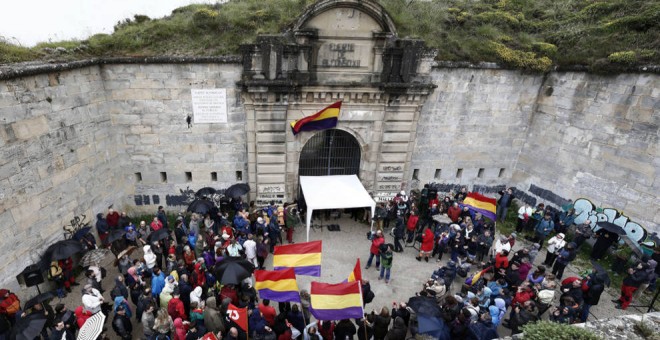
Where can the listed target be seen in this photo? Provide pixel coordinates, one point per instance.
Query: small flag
(238, 316)
(278, 285)
(304, 258)
(472, 280)
(324, 119)
(336, 301)
(356, 274)
(209, 336)
(480, 203)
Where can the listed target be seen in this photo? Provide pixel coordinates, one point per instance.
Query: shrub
(625, 57)
(205, 18)
(548, 50)
(543, 330)
(499, 18)
(521, 59)
(12, 54)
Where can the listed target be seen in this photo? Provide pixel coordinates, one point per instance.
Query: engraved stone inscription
(339, 55)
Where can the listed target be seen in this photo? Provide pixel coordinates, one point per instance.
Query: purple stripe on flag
(314, 125)
(486, 213)
(287, 296)
(304, 270)
(337, 314)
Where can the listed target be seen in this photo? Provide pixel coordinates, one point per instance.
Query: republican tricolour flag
(277, 285)
(480, 203)
(356, 274)
(336, 301)
(324, 119)
(304, 258)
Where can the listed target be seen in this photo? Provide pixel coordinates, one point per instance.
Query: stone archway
(330, 152)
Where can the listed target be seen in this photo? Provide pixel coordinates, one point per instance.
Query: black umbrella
(611, 227)
(200, 206)
(115, 235)
(158, 235)
(205, 192)
(29, 327)
(601, 273)
(78, 235)
(41, 298)
(424, 305)
(237, 190)
(233, 271)
(61, 250)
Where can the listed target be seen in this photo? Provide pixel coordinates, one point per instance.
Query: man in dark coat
(102, 227)
(636, 276)
(504, 203)
(604, 240)
(596, 285)
(122, 325)
(399, 231)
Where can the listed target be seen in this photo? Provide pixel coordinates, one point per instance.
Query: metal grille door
(330, 152)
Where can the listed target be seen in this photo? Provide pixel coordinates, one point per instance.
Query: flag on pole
(356, 274)
(472, 280)
(336, 301)
(324, 119)
(304, 258)
(277, 285)
(238, 316)
(480, 203)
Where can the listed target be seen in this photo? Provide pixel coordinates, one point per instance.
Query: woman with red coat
(427, 245)
(377, 240)
(411, 225)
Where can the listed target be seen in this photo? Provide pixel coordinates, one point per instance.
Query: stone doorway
(330, 152)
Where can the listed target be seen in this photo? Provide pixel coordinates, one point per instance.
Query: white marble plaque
(209, 105)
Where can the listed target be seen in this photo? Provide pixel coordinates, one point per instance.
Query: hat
(504, 238)
(260, 220)
(560, 235)
(170, 278)
(143, 223)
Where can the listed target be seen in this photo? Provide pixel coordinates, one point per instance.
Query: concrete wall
(149, 106)
(59, 158)
(596, 137)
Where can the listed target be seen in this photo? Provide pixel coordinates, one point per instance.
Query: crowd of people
(171, 292)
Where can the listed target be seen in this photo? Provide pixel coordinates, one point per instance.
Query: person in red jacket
(175, 307)
(267, 312)
(377, 240)
(454, 212)
(502, 259)
(427, 245)
(411, 225)
(82, 315)
(112, 218)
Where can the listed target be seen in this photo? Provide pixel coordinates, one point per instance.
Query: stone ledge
(10, 71)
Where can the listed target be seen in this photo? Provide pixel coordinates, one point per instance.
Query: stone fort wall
(74, 141)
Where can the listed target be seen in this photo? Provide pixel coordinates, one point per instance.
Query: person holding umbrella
(604, 240)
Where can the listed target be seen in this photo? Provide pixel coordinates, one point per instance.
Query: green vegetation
(530, 35)
(542, 330)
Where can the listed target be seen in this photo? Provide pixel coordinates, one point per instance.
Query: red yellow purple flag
(304, 258)
(324, 119)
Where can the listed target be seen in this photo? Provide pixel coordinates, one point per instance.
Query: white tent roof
(334, 192)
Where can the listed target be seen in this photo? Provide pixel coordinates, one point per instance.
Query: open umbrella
(115, 235)
(233, 271)
(92, 328)
(433, 326)
(237, 190)
(200, 206)
(41, 298)
(442, 218)
(423, 305)
(611, 227)
(61, 250)
(128, 251)
(93, 257)
(205, 192)
(29, 327)
(158, 235)
(78, 235)
(601, 273)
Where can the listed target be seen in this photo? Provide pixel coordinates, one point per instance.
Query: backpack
(10, 305)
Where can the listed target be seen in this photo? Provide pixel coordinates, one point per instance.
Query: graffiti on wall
(587, 211)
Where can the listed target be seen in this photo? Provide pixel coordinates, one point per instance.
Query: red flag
(209, 336)
(238, 316)
(356, 274)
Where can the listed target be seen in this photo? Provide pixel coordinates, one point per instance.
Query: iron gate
(330, 152)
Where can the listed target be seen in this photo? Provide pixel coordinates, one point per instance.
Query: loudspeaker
(32, 275)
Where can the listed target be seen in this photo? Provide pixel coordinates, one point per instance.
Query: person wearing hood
(157, 283)
(566, 256)
(121, 324)
(483, 294)
(102, 228)
(398, 331)
(501, 244)
(212, 316)
(595, 283)
(168, 289)
(545, 297)
(119, 302)
(555, 245)
(119, 289)
(180, 329)
(196, 295)
(199, 275)
(175, 306)
(149, 257)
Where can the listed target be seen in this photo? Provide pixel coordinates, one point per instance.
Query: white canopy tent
(334, 192)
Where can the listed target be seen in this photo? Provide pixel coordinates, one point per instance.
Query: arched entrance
(330, 152)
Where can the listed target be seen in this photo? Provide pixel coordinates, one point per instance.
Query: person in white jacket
(524, 213)
(92, 299)
(149, 257)
(555, 244)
